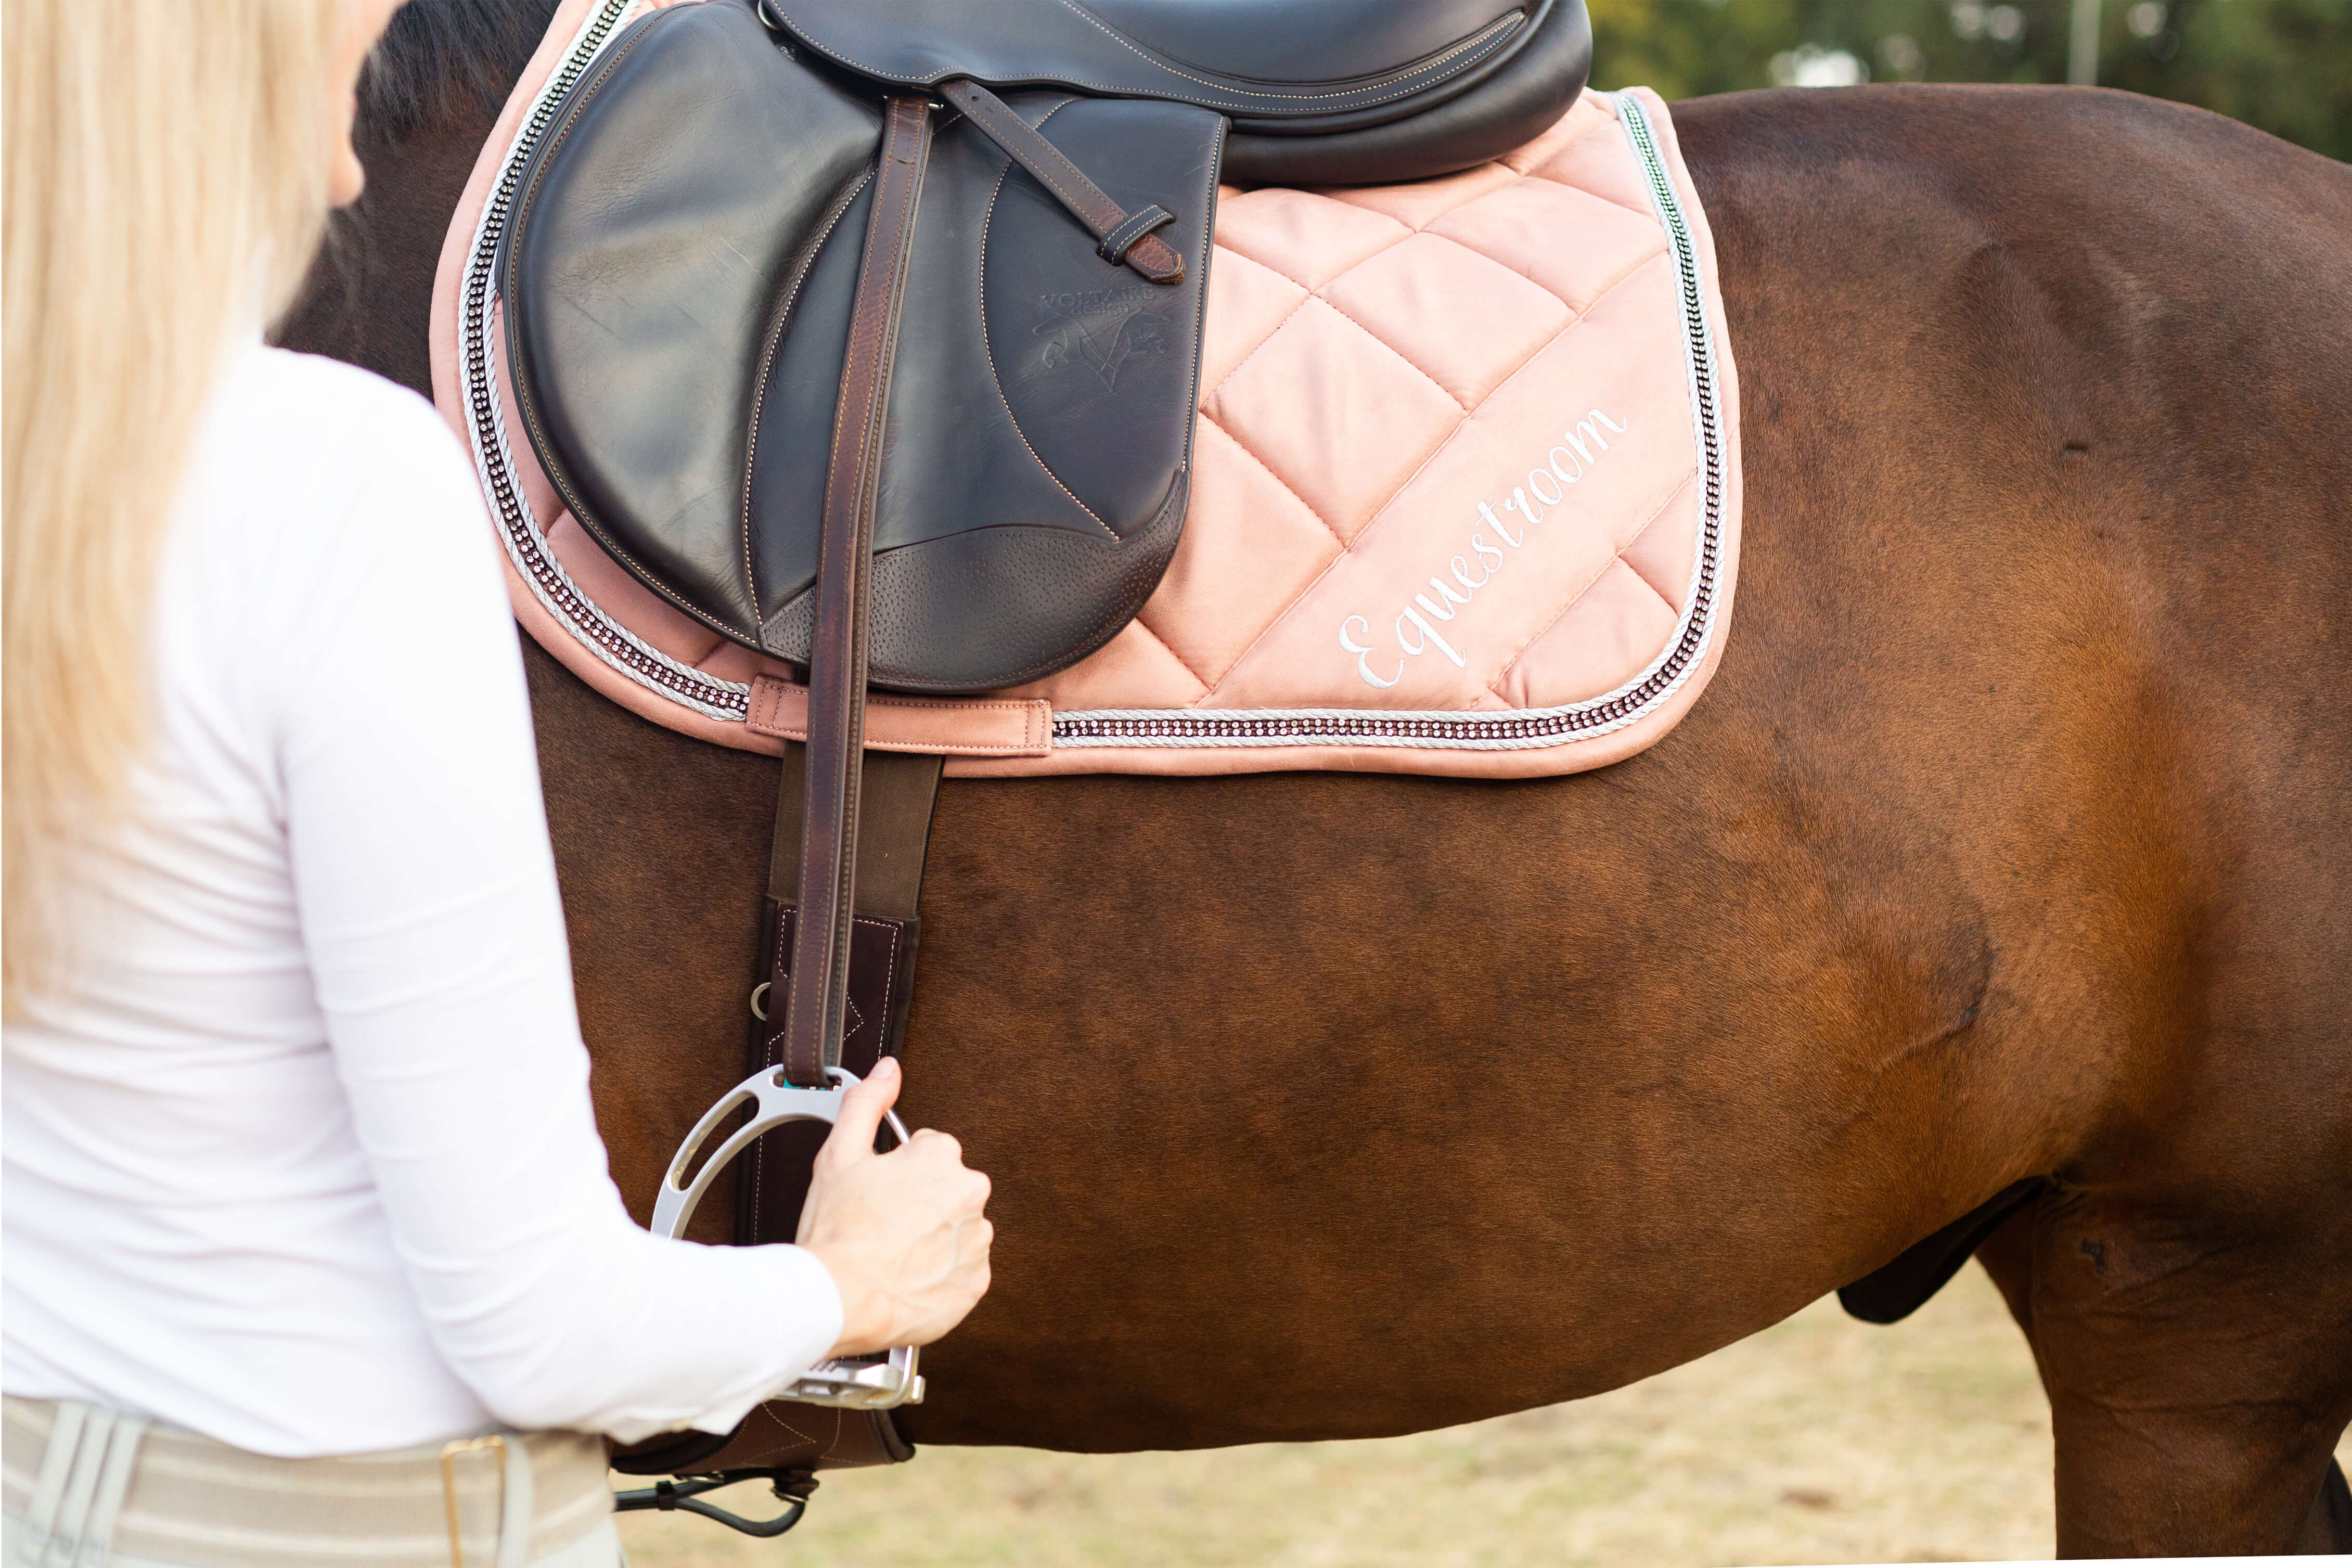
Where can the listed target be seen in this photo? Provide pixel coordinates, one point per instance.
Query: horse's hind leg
(2199, 1374)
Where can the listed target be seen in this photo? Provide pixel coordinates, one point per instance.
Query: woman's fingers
(862, 1108)
(903, 1234)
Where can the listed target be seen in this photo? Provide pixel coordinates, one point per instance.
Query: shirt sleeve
(429, 910)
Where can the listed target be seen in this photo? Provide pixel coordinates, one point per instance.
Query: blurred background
(2283, 65)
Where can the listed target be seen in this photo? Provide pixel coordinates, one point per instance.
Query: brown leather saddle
(867, 333)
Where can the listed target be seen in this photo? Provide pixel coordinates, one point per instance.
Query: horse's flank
(2008, 842)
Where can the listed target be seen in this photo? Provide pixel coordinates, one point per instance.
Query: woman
(302, 1193)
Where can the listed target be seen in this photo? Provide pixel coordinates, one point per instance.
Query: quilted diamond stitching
(1352, 319)
(1239, 395)
(1315, 293)
(1391, 202)
(1546, 171)
(1145, 626)
(1340, 538)
(1435, 442)
(1372, 284)
(1261, 537)
(1512, 160)
(1246, 303)
(1651, 243)
(1615, 609)
(1262, 223)
(1577, 597)
(1576, 321)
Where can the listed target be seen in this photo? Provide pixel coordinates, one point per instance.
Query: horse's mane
(440, 59)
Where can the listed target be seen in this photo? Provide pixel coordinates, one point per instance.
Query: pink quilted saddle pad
(1465, 493)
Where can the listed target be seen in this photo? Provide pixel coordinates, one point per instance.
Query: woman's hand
(901, 1232)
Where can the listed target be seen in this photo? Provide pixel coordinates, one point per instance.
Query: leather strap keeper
(942, 726)
(1151, 258)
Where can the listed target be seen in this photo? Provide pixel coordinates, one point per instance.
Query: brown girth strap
(818, 992)
(1120, 235)
(897, 792)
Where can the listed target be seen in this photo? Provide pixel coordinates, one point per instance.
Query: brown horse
(2010, 841)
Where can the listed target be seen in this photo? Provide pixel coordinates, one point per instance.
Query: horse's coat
(1465, 488)
(2010, 841)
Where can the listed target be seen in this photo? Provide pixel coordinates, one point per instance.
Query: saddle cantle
(1319, 91)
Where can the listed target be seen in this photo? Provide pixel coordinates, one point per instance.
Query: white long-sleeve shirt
(300, 1155)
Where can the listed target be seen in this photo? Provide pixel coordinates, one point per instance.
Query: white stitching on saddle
(1492, 33)
(580, 514)
(767, 361)
(1068, 200)
(767, 1408)
(1371, 96)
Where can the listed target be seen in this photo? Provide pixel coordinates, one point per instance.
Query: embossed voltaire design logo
(1415, 634)
(1100, 330)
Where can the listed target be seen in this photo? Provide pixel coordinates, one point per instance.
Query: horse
(2007, 848)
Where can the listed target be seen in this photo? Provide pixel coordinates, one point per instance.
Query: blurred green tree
(2283, 65)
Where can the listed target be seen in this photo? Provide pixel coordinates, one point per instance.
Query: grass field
(1819, 1440)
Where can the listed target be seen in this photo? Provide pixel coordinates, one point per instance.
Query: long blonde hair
(167, 169)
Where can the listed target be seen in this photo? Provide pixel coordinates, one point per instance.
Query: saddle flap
(690, 172)
(677, 287)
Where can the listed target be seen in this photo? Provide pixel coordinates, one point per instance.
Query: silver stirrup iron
(878, 1381)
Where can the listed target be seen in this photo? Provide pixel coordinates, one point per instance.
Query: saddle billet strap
(896, 796)
(818, 996)
(1122, 237)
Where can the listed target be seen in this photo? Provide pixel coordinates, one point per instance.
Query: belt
(80, 1484)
